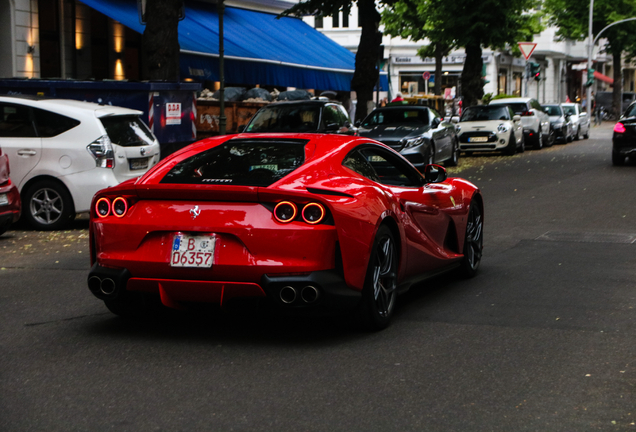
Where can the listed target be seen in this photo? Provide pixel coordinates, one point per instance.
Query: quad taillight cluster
(287, 211)
(118, 207)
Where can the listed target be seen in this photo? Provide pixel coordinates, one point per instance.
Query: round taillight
(102, 207)
(313, 213)
(619, 128)
(120, 207)
(285, 211)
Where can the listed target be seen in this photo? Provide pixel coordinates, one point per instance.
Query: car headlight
(502, 128)
(412, 142)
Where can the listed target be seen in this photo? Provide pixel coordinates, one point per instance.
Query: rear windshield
(569, 109)
(286, 118)
(396, 117)
(127, 131)
(552, 110)
(241, 163)
(486, 112)
(518, 108)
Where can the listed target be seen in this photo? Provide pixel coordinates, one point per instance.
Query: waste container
(169, 109)
(236, 114)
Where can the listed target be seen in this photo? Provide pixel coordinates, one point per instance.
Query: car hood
(393, 132)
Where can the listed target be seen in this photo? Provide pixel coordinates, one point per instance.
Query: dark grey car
(419, 133)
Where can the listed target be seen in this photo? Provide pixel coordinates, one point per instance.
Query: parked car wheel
(577, 135)
(617, 158)
(380, 286)
(48, 206)
(511, 148)
(474, 241)
(454, 159)
(549, 141)
(522, 147)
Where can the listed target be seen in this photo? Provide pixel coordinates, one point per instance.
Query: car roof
(68, 106)
(510, 100)
(304, 102)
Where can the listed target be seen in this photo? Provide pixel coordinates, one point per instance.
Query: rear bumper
(10, 212)
(624, 144)
(324, 288)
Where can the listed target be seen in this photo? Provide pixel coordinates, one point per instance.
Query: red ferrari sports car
(301, 220)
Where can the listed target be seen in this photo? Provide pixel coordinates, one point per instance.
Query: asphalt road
(541, 340)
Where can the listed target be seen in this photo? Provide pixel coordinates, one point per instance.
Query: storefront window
(502, 81)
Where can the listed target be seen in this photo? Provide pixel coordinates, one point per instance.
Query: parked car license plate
(138, 163)
(192, 251)
(478, 139)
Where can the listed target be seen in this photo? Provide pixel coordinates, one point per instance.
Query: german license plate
(4, 199)
(478, 139)
(192, 251)
(139, 163)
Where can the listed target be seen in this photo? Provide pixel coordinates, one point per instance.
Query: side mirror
(516, 118)
(357, 123)
(332, 127)
(436, 122)
(241, 129)
(455, 119)
(583, 114)
(434, 173)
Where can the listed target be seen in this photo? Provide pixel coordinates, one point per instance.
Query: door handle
(27, 152)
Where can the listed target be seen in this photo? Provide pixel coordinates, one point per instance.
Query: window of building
(502, 81)
(318, 22)
(345, 18)
(336, 19)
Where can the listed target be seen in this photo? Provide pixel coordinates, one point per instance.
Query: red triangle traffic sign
(527, 48)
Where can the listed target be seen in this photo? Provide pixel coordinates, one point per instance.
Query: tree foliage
(368, 55)
(572, 19)
(471, 24)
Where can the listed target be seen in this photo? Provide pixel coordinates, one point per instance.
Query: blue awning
(259, 49)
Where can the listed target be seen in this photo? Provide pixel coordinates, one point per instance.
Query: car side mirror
(583, 114)
(241, 129)
(516, 118)
(434, 173)
(332, 127)
(436, 122)
(455, 119)
(357, 123)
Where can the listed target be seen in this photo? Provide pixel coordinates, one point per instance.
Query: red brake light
(619, 128)
(102, 207)
(285, 211)
(527, 113)
(313, 213)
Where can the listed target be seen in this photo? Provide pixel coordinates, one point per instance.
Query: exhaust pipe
(288, 294)
(309, 294)
(108, 286)
(94, 284)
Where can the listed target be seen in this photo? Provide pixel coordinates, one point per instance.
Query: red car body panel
(9, 212)
(252, 245)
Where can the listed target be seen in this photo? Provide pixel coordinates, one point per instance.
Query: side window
(343, 115)
(50, 124)
(390, 169)
(358, 163)
(330, 115)
(433, 114)
(15, 121)
(511, 113)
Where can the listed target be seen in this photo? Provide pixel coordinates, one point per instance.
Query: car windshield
(127, 131)
(483, 113)
(394, 116)
(552, 110)
(240, 163)
(569, 109)
(286, 118)
(631, 111)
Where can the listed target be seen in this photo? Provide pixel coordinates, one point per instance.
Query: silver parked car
(580, 120)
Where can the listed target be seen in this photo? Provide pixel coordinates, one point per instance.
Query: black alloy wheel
(551, 138)
(522, 147)
(48, 206)
(474, 240)
(577, 136)
(538, 145)
(380, 285)
(511, 148)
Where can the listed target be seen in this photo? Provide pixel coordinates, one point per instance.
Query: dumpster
(169, 109)
(237, 114)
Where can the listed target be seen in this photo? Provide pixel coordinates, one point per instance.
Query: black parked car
(419, 133)
(624, 138)
(317, 115)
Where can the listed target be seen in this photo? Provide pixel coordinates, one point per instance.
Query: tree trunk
(472, 86)
(439, 56)
(161, 40)
(617, 95)
(366, 74)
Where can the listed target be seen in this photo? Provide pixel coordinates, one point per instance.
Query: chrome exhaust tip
(309, 294)
(288, 294)
(94, 284)
(108, 286)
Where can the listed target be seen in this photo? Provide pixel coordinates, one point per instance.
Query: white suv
(63, 151)
(535, 122)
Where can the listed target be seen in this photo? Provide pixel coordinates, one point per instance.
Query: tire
(587, 134)
(538, 145)
(522, 147)
(550, 140)
(380, 285)
(454, 159)
(511, 148)
(473, 241)
(578, 134)
(617, 158)
(3, 230)
(48, 206)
